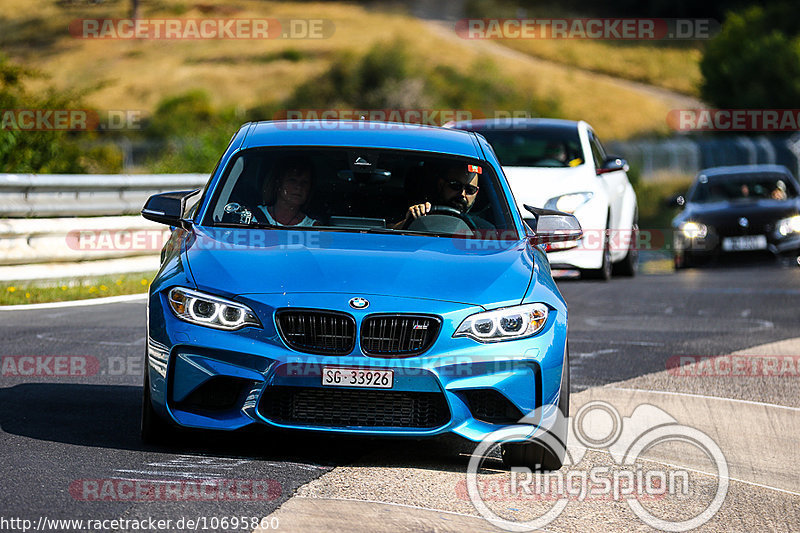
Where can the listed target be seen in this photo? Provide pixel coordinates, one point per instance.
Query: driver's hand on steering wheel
(413, 213)
(418, 210)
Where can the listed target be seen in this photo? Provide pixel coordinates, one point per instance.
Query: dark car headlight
(208, 310)
(787, 226)
(508, 323)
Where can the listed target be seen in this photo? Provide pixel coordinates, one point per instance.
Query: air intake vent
(354, 408)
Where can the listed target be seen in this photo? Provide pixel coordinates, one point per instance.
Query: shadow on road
(107, 416)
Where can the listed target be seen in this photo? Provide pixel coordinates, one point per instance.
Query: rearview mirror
(612, 164)
(676, 201)
(553, 226)
(168, 208)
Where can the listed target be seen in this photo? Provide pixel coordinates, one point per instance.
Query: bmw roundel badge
(359, 303)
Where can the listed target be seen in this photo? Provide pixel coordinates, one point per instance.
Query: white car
(561, 165)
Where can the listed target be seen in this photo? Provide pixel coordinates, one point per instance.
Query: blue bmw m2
(358, 278)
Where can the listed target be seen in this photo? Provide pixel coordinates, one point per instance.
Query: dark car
(737, 209)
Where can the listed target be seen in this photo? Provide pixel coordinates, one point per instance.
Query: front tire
(539, 455)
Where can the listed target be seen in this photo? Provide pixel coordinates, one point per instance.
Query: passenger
(286, 194)
(779, 193)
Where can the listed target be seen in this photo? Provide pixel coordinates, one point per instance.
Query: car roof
(515, 124)
(362, 134)
(734, 170)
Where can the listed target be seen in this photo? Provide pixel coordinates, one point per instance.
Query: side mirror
(612, 164)
(168, 208)
(553, 226)
(676, 201)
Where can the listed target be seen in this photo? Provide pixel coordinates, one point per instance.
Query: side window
(598, 154)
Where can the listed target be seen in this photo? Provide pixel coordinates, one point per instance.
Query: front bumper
(711, 244)
(206, 378)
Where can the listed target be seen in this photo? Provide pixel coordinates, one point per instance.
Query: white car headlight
(568, 203)
(789, 225)
(208, 310)
(503, 324)
(694, 230)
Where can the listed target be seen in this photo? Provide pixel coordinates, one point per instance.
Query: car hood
(536, 185)
(249, 261)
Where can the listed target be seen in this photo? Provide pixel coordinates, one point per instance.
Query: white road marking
(76, 303)
(751, 402)
(631, 343)
(48, 337)
(398, 505)
(586, 355)
(191, 475)
(681, 467)
(201, 462)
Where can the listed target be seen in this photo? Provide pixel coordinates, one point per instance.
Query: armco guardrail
(28, 241)
(69, 195)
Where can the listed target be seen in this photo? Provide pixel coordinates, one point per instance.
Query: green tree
(754, 62)
(26, 151)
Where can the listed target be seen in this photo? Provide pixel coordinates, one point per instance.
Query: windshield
(541, 147)
(743, 187)
(354, 189)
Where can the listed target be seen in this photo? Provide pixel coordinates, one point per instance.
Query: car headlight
(503, 324)
(568, 203)
(694, 230)
(212, 311)
(789, 225)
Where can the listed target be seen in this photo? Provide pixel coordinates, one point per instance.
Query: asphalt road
(60, 432)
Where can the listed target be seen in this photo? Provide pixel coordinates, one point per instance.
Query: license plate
(744, 243)
(357, 377)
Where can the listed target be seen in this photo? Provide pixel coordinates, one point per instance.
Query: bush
(388, 77)
(192, 132)
(34, 151)
(754, 62)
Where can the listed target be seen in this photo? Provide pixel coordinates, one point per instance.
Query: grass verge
(675, 68)
(44, 291)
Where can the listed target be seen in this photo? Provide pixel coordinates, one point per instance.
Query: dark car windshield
(743, 187)
(540, 147)
(360, 189)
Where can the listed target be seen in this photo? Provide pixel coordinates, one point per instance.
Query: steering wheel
(445, 210)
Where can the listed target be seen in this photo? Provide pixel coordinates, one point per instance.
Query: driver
(457, 188)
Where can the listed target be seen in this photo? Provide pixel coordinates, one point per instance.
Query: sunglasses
(457, 186)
